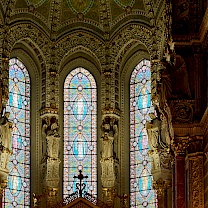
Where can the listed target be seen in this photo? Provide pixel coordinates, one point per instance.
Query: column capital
(161, 186)
(195, 145)
(179, 145)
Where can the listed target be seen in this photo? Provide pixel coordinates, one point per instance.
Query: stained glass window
(17, 193)
(141, 191)
(80, 130)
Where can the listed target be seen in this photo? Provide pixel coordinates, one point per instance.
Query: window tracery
(80, 130)
(141, 190)
(17, 192)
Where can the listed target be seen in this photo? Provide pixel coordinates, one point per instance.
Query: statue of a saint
(5, 130)
(44, 143)
(153, 131)
(107, 146)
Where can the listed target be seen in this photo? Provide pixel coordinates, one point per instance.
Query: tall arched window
(141, 191)
(80, 130)
(17, 193)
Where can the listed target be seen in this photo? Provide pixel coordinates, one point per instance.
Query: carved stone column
(195, 181)
(109, 155)
(50, 155)
(161, 186)
(179, 146)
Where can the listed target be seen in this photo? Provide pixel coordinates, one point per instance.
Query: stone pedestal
(108, 196)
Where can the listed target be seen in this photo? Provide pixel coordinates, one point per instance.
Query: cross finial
(80, 186)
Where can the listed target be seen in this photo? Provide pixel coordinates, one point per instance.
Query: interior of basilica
(103, 103)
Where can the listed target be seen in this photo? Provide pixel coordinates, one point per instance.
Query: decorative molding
(204, 122)
(196, 193)
(161, 186)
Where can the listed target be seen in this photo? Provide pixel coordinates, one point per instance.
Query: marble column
(179, 147)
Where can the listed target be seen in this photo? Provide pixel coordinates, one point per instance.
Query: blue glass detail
(80, 108)
(80, 147)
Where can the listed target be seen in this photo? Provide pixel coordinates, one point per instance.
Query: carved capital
(195, 144)
(161, 186)
(179, 145)
(182, 110)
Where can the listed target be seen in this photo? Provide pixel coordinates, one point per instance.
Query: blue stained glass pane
(17, 193)
(80, 130)
(141, 191)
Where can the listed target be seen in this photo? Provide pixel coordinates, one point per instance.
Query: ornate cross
(80, 186)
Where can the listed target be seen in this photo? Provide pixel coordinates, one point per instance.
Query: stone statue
(153, 131)
(44, 142)
(5, 130)
(115, 130)
(165, 137)
(179, 80)
(50, 138)
(53, 128)
(106, 146)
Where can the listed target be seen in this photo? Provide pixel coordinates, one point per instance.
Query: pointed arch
(80, 130)
(17, 192)
(141, 191)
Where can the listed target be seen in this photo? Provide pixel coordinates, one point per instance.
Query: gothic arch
(124, 121)
(33, 71)
(29, 32)
(80, 62)
(79, 51)
(83, 39)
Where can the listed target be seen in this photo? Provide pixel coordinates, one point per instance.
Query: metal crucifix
(80, 186)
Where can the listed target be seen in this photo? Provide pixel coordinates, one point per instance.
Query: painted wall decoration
(81, 6)
(36, 3)
(125, 3)
(80, 130)
(17, 193)
(141, 190)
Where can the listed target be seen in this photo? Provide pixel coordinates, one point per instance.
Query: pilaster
(194, 173)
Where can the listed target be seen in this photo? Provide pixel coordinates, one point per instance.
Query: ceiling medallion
(125, 3)
(80, 6)
(36, 3)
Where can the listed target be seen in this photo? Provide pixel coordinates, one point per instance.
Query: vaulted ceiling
(97, 15)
